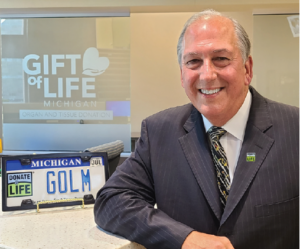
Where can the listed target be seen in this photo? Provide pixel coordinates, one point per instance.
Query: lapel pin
(250, 157)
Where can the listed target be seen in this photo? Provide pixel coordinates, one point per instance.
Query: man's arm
(125, 205)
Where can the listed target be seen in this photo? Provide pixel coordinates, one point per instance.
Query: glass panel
(66, 83)
(276, 57)
(12, 26)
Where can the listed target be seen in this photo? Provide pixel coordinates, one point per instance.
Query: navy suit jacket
(172, 166)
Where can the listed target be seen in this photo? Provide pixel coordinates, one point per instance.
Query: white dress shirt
(232, 140)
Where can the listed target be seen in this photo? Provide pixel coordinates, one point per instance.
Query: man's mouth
(209, 92)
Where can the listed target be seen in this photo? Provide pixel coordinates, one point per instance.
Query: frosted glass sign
(65, 83)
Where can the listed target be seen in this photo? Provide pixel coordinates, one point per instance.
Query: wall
(276, 60)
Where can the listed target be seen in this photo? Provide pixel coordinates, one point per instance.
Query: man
(223, 170)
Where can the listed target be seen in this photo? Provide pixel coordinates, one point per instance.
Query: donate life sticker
(19, 184)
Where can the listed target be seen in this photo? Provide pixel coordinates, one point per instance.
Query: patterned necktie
(220, 161)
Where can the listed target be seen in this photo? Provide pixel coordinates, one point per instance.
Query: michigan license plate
(52, 177)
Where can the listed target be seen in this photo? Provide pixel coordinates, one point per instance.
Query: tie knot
(216, 133)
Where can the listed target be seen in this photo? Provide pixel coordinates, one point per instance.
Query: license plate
(29, 180)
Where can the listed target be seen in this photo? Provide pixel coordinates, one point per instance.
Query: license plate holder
(29, 179)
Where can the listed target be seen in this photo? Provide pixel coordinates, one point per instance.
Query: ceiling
(124, 7)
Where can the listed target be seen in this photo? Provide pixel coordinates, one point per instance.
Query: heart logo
(93, 64)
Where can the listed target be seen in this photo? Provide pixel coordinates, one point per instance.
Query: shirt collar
(237, 124)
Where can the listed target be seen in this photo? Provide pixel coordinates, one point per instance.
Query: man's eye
(221, 61)
(191, 62)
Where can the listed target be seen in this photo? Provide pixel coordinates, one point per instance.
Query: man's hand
(196, 240)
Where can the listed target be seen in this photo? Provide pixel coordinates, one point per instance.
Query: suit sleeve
(125, 205)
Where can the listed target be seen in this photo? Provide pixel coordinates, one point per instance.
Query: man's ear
(248, 71)
(181, 77)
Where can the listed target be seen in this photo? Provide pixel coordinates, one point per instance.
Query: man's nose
(207, 71)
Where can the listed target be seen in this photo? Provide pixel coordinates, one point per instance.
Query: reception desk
(65, 227)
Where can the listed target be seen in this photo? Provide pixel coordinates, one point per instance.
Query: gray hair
(243, 40)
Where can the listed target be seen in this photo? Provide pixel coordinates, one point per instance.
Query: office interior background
(146, 33)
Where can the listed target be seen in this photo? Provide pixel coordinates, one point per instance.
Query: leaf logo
(94, 65)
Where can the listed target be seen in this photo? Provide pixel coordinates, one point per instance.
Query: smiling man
(213, 72)
(223, 170)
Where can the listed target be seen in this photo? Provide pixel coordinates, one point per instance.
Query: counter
(64, 227)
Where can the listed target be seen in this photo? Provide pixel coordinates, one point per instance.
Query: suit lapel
(255, 141)
(196, 149)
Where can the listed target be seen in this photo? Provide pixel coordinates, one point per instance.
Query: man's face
(212, 72)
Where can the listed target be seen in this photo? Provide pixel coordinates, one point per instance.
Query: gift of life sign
(93, 65)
